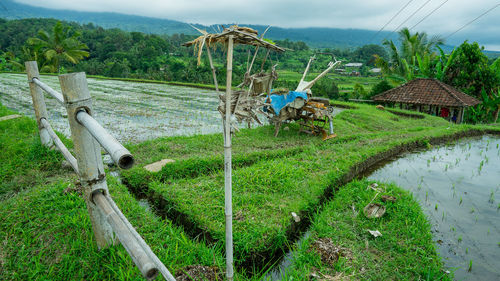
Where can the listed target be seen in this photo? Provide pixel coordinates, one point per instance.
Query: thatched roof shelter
(429, 95)
(427, 91)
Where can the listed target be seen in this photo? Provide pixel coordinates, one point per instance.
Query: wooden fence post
(38, 102)
(88, 153)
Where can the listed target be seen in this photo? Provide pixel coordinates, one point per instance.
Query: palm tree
(60, 46)
(413, 58)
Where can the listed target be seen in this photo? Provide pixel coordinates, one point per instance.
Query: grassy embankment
(24, 161)
(340, 246)
(45, 231)
(274, 177)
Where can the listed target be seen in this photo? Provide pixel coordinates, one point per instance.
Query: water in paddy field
(132, 112)
(458, 188)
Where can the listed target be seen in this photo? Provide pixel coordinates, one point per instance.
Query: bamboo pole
(331, 65)
(145, 264)
(306, 70)
(120, 155)
(58, 96)
(227, 163)
(38, 102)
(213, 68)
(161, 267)
(62, 148)
(253, 60)
(88, 154)
(264, 61)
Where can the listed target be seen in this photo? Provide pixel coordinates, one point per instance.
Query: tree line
(67, 46)
(118, 53)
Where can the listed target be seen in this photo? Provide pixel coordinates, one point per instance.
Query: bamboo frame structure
(229, 37)
(107, 219)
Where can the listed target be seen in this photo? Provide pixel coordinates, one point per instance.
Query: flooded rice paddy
(132, 112)
(458, 187)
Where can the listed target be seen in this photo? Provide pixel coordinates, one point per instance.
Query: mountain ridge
(316, 37)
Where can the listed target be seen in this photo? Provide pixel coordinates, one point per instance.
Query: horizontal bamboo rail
(62, 148)
(120, 155)
(58, 96)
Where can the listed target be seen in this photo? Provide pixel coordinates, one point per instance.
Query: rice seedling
(481, 164)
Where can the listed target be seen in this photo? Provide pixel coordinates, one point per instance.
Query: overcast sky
(363, 14)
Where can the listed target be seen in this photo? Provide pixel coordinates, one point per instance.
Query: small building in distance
(376, 71)
(353, 64)
(429, 96)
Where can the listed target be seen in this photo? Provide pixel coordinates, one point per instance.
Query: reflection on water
(458, 188)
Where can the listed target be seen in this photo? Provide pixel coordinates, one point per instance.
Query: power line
(391, 20)
(412, 15)
(428, 15)
(473, 20)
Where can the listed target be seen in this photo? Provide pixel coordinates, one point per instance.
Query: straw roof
(241, 35)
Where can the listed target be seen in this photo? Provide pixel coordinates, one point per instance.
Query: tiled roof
(427, 91)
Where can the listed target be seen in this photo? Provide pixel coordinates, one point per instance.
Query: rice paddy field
(131, 111)
(294, 195)
(344, 83)
(458, 187)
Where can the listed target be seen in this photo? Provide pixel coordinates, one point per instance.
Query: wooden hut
(429, 96)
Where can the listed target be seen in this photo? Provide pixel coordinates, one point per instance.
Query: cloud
(312, 13)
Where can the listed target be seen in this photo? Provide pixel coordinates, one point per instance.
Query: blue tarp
(280, 101)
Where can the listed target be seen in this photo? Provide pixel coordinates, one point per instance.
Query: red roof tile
(427, 91)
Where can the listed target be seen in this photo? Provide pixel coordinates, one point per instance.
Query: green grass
(265, 192)
(46, 234)
(24, 162)
(405, 251)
